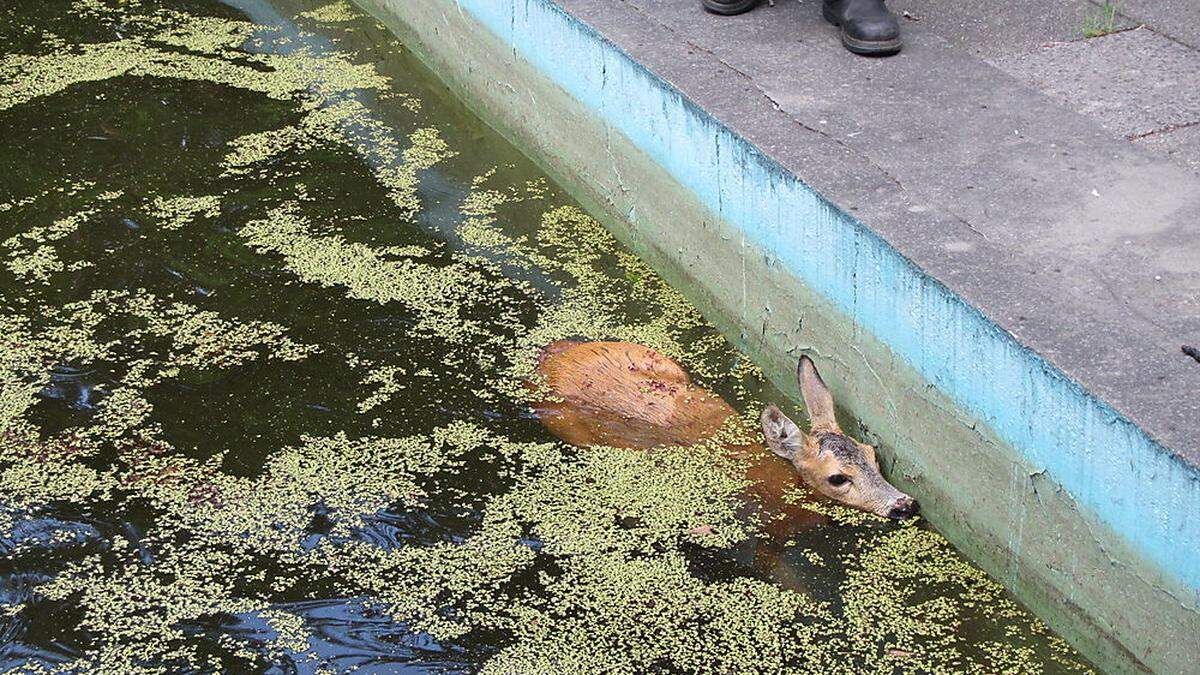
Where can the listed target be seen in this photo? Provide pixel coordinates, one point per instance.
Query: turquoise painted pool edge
(1101, 458)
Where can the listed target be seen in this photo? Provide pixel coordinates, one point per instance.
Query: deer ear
(817, 398)
(783, 436)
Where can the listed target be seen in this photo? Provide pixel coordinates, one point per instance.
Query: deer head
(834, 464)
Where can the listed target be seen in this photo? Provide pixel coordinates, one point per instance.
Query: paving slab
(992, 29)
(1133, 82)
(1177, 19)
(1181, 145)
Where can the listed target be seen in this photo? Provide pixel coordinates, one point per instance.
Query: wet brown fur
(626, 395)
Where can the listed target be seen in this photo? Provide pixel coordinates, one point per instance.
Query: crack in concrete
(1168, 36)
(1084, 38)
(887, 391)
(612, 158)
(1162, 130)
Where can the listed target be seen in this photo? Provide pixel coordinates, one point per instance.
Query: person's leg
(867, 26)
(729, 7)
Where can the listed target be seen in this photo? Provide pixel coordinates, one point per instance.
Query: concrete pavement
(1141, 81)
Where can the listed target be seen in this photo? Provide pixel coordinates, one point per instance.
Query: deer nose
(904, 507)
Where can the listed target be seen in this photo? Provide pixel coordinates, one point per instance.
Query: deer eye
(839, 479)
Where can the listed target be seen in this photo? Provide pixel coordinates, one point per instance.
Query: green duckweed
(280, 362)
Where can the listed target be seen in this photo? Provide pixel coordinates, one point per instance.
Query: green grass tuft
(1102, 21)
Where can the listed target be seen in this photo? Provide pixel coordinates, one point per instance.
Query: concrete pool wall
(1075, 508)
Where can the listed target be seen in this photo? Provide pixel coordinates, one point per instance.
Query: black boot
(728, 7)
(867, 26)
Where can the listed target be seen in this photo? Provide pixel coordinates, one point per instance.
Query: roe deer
(626, 395)
(834, 464)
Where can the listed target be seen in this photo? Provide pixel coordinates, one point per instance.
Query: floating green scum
(269, 307)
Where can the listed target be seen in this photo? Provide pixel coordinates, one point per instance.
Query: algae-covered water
(268, 298)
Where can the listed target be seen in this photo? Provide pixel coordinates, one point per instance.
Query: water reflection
(346, 635)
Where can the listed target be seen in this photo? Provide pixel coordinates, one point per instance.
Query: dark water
(268, 299)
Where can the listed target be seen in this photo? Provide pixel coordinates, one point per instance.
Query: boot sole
(729, 8)
(871, 47)
(863, 47)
